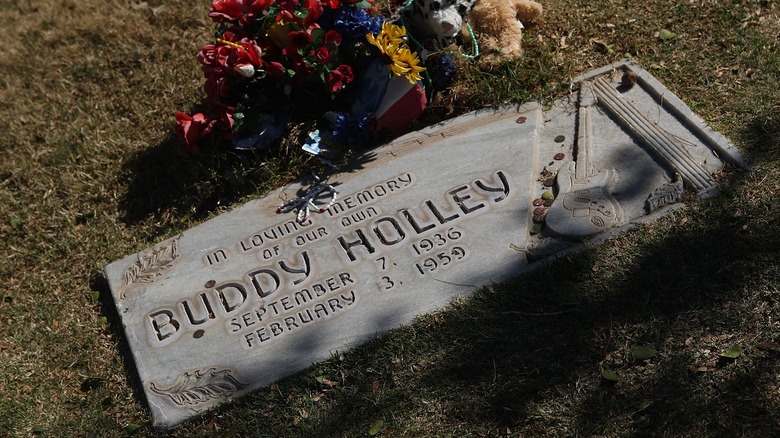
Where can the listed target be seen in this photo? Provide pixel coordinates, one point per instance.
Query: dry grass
(90, 172)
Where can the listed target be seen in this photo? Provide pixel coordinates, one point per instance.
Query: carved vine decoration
(195, 387)
(151, 265)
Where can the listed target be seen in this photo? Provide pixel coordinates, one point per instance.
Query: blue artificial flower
(443, 71)
(351, 22)
(351, 130)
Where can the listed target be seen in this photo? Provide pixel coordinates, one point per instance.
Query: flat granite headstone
(252, 296)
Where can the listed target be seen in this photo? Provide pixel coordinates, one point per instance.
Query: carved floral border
(195, 387)
(150, 265)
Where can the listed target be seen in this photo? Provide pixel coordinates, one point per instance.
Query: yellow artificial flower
(409, 63)
(390, 35)
(392, 46)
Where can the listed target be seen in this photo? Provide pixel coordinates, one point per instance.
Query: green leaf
(665, 34)
(645, 404)
(547, 195)
(132, 428)
(376, 427)
(643, 353)
(611, 376)
(95, 295)
(301, 13)
(317, 36)
(732, 353)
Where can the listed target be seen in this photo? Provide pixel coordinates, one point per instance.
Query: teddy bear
(497, 25)
(498, 28)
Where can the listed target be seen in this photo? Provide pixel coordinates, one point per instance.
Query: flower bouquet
(273, 61)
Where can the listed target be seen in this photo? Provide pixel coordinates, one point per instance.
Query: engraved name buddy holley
(392, 229)
(282, 295)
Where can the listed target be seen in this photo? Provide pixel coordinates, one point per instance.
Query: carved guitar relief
(584, 205)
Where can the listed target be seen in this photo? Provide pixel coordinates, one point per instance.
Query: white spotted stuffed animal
(435, 23)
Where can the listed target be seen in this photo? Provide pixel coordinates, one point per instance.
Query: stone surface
(252, 296)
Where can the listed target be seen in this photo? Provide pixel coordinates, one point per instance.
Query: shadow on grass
(166, 183)
(163, 180)
(108, 309)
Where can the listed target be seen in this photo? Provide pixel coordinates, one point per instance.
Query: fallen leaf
(771, 346)
(699, 368)
(611, 376)
(732, 353)
(376, 426)
(645, 404)
(325, 381)
(643, 353)
(665, 34)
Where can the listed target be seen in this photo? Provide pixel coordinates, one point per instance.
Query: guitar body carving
(585, 205)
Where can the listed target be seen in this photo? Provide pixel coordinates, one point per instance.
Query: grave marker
(252, 296)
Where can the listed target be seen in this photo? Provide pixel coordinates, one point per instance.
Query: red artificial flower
(346, 71)
(332, 36)
(208, 60)
(315, 11)
(301, 69)
(339, 78)
(240, 58)
(324, 55)
(333, 4)
(217, 86)
(275, 69)
(287, 5)
(224, 115)
(237, 10)
(190, 130)
(249, 56)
